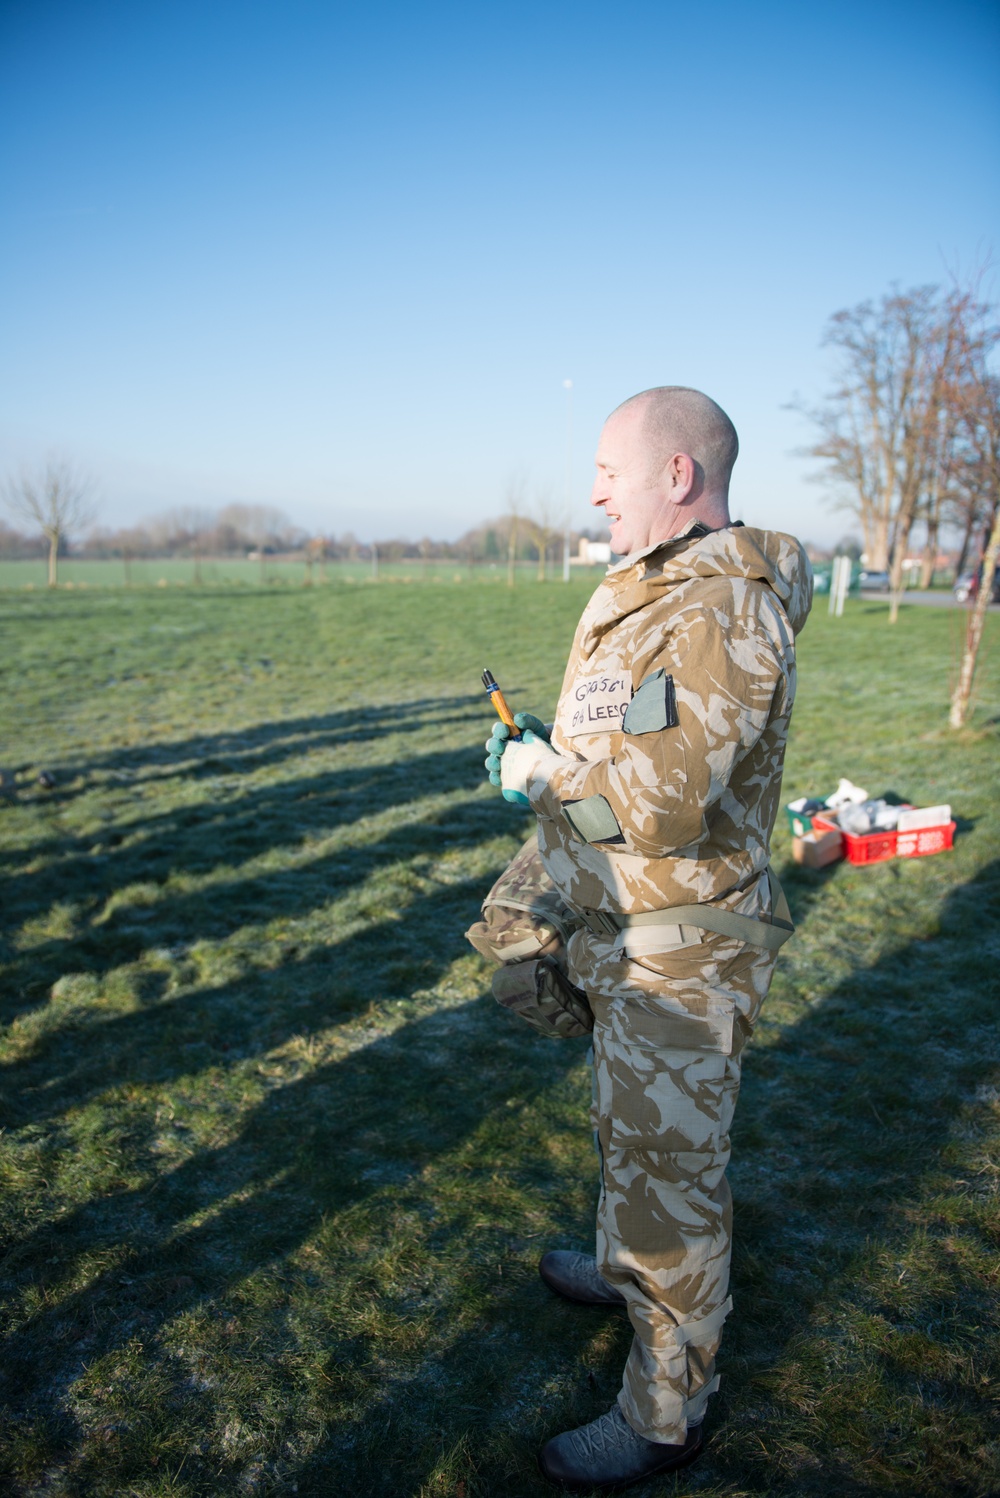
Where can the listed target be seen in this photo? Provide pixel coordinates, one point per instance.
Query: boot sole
(579, 1300)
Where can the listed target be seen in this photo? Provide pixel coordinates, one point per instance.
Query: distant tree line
(235, 530)
(240, 530)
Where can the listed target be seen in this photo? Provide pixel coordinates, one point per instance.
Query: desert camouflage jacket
(672, 722)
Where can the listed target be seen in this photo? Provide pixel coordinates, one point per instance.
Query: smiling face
(643, 504)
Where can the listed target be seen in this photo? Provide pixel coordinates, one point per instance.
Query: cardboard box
(915, 819)
(816, 849)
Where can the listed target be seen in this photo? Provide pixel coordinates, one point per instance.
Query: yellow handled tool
(503, 712)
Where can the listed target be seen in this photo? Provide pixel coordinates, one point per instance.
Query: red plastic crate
(876, 847)
(925, 840)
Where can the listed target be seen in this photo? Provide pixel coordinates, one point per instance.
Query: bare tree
(931, 433)
(514, 495)
(57, 499)
(315, 551)
(545, 528)
(888, 432)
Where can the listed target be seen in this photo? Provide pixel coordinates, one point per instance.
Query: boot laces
(587, 1271)
(609, 1433)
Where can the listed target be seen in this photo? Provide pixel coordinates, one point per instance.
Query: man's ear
(680, 474)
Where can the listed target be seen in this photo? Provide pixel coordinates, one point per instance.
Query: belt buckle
(601, 923)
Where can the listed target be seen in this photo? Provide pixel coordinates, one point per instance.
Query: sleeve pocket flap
(593, 820)
(654, 706)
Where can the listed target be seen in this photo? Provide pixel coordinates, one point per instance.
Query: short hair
(679, 419)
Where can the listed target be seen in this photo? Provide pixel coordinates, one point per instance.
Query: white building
(592, 553)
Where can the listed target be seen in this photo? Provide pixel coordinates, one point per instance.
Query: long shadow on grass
(262, 1008)
(841, 1121)
(839, 1125)
(202, 839)
(246, 750)
(313, 1148)
(89, 1050)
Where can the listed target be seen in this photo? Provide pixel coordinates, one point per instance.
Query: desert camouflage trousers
(664, 1095)
(671, 1013)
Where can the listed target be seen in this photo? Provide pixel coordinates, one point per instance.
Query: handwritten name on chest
(595, 703)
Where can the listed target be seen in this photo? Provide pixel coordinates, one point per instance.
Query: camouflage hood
(770, 558)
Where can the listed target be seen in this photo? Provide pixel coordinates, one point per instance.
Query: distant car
(967, 586)
(873, 582)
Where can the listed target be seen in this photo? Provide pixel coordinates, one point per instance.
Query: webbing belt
(770, 934)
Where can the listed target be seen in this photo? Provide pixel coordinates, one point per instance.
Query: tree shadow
(199, 840)
(168, 1037)
(303, 1156)
(264, 745)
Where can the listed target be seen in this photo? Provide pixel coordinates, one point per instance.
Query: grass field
(287, 571)
(277, 1171)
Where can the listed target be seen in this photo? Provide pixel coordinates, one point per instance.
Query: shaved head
(676, 419)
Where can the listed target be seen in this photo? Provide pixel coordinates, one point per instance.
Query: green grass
(276, 1171)
(213, 572)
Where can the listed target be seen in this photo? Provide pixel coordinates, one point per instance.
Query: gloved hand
(510, 764)
(527, 723)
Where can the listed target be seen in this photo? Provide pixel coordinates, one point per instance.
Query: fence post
(840, 581)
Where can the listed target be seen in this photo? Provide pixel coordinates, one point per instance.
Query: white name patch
(596, 704)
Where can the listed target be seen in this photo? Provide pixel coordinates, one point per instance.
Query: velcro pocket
(593, 820)
(654, 706)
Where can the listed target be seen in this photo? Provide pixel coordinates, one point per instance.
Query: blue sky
(341, 260)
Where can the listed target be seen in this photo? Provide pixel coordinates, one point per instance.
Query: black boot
(577, 1277)
(608, 1453)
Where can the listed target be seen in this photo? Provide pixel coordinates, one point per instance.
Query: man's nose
(598, 493)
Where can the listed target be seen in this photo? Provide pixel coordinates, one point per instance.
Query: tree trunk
(902, 541)
(879, 559)
(930, 555)
(511, 551)
(53, 539)
(977, 619)
(963, 555)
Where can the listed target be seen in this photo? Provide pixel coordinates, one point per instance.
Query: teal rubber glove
(511, 763)
(498, 740)
(528, 723)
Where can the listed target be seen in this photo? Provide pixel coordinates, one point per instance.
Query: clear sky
(341, 259)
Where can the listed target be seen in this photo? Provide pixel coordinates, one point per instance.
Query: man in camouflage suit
(655, 793)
